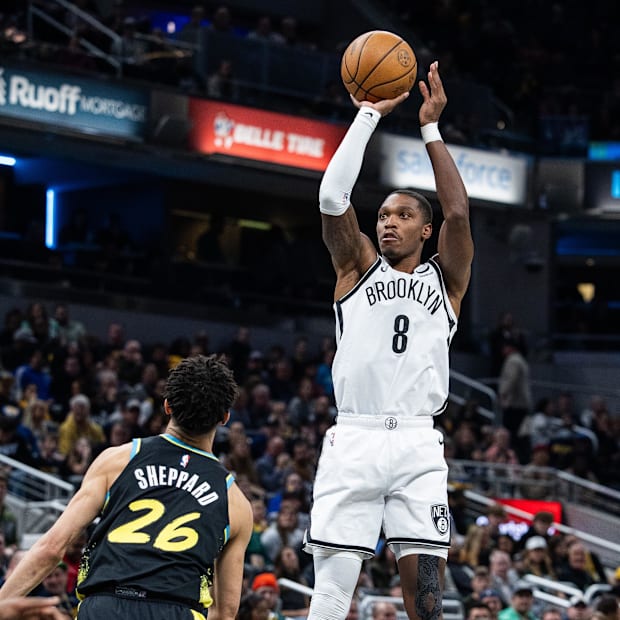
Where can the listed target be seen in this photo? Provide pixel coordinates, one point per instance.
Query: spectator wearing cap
(78, 424)
(536, 560)
(266, 585)
(579, 608)
(521, 603)
(493, 600)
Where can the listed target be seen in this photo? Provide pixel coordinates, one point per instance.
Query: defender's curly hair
(200, 391)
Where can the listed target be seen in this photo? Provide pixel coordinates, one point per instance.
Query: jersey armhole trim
(136, 444)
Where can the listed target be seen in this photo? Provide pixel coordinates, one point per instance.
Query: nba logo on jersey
(441, 517)
(184, 460)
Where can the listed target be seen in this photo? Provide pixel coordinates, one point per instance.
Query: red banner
(262, 136)
(533, 506)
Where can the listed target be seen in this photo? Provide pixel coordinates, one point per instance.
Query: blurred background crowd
(65, 395)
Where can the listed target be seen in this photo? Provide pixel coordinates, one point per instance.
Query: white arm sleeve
(345, 165)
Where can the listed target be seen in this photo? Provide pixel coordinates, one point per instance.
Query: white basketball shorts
(381, 472)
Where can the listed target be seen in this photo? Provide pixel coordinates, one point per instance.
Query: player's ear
(225, 419)
(167, 408)
(427, 231)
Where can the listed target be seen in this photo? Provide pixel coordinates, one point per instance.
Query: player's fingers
(424, 90)
(356, 103)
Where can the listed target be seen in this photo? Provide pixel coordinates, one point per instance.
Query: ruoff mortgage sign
(86, 106)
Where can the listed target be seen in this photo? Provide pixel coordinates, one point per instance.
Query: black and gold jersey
(164, 522)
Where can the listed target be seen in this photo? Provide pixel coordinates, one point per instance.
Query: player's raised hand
(433, 95)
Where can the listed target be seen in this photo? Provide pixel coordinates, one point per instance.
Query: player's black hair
(200, 391)
(423, 204)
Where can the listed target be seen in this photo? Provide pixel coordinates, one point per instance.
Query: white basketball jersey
(393, 333)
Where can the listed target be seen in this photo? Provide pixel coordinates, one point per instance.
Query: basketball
(378, 65)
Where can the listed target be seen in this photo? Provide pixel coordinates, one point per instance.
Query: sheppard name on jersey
(163, 476)
(405, 288)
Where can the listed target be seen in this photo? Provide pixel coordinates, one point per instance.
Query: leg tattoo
(428, 596)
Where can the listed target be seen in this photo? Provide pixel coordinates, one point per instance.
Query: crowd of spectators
(556, 80)
(65, 395)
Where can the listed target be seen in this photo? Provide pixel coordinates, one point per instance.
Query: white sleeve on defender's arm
(344, 168)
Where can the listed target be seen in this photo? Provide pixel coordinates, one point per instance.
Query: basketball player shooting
(382, 464)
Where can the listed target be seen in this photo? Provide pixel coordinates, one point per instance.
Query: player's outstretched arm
(85, 505)
(228, 578)
(352, 252)
(455, 244)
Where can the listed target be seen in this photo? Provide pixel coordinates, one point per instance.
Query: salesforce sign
(488, 176)
(86, 106)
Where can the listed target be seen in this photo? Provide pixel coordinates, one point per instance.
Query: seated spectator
(384, 610)
(284, 531)
(270, 476)
(521, 602)
(286, 566)
(536, 559)
(606, 608)
(540, 526)
(479, 611)
(78, 424)
(503, 575)
(51, 461)
(575, 568)
(55, 584)
(78, 460)
(254, 606)
(266, 586)
(69, 330)
(493, 600)
(579, 609)
(35, 373)
(255, 554)
(13, 443)
(480, 582)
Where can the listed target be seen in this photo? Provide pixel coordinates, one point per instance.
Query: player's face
(401, 228)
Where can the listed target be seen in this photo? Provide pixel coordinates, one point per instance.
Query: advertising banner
(488, 176)
(262, 136)
(76, 103)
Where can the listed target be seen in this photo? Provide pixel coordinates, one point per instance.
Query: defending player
(382, 464)
(174, 526)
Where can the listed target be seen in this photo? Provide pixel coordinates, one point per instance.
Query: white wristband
(430, 133)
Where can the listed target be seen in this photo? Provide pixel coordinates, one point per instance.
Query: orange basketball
(378, 65)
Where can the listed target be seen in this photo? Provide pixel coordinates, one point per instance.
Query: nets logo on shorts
(441, 518)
